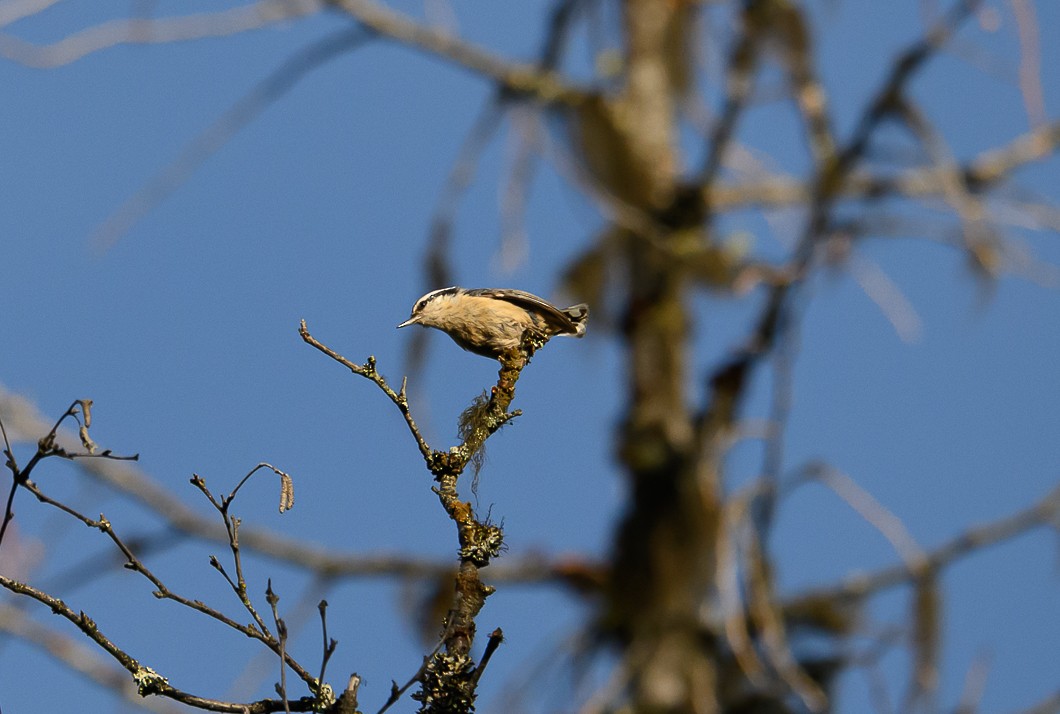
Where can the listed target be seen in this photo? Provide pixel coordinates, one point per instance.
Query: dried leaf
(286, 492)
(86, 440)
(86, 409)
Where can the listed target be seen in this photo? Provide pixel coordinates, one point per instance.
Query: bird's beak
(406, 323)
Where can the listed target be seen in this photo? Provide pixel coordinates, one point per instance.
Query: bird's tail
(579, 315)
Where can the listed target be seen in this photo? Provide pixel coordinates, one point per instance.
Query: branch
(148, 682)
(137, 31)
(1045, 512)
(368, 371)
(23, 419)
(162, 591)
(739, 81)
(543, 85)
(81, 412)
(984, 171)
(396, 692)
(76, 657)
(448, 679)
(730, 379)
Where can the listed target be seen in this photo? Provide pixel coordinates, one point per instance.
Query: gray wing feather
(569, 318)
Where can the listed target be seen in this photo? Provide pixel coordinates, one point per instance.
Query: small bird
(490, 321)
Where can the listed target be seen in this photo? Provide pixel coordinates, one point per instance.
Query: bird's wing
(529, 301)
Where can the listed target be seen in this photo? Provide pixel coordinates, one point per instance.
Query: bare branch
(77, 657)
(495, 640)
(259, 632)
(1044, 512)
(281, 634)
(136, 31)
(544, 86)
(987, 169)
(329, 644)
(48, 446)
(396, 692)
(368, 371)
(14, 10)
(148, 681)
(874, 513)
(1030, 69)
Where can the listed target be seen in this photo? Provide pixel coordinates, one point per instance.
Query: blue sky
(185, 335)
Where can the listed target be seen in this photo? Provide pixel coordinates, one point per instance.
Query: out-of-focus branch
(541, 83)
(1044, 512)
(77, 657)
(545, 86)
(153, 31)
(739, 81)
(989, 168)
(827, 187)
(980, 241)
(436, 257)
(14, 10)
(883, 103)
(1030, 67)
(148, 682)
(871, 510)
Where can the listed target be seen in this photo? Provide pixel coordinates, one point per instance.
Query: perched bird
(489, 321)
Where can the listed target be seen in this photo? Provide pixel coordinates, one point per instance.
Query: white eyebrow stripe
(452, 290)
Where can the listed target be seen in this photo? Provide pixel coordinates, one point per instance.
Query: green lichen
(447, 686)
(148, 681)
(325, 698)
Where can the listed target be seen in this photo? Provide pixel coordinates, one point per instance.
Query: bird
(491, 321)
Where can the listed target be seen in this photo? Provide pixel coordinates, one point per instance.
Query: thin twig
(47, 446)
(396, 691)
(239, 585)
(148, 681)
(161, 590)
(329, 645)
(495, 640)
(368, 371)
(176, 515)
(77, 657)
(281, 634)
